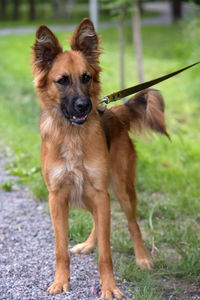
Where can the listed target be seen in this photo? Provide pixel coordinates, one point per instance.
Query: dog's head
(67, 82)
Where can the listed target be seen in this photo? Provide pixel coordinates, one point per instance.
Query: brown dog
(83, 152)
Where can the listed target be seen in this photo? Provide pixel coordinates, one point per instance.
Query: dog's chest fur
(66, 160)
(70, 171)
(71, 152)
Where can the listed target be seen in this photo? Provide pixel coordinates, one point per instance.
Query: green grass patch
(7, 185)
(168, 172)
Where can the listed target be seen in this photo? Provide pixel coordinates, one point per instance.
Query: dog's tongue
(81, 118)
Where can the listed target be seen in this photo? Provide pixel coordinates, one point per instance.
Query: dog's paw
(111, 292)
(144, 263)
(83, 248)
(58, 287)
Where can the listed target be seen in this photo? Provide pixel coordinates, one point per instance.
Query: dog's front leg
(58, 202)
(102, 220)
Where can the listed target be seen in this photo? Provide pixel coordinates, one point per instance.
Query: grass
(168, 172)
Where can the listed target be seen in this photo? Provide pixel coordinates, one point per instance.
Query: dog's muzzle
(79, 110)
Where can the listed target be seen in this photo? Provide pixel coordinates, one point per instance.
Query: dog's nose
(82, 105)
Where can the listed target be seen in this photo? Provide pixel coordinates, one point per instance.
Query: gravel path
(27, 260)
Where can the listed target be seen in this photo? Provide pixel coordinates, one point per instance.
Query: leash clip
(105, 100)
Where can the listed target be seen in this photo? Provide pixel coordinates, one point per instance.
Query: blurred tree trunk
(136, 25)
(32, 14)
(176, 9)
(121, 59)
(3, 9)
(69, 8)
(140, 5)
(94, 13)
(56, 6)
(15, 9)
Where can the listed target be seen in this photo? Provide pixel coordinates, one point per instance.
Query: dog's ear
(86, 40)
(45, 49)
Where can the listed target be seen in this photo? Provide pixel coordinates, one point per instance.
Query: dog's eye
(85, 78)
(64, 80)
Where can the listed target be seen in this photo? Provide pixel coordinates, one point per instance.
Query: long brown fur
(79, 163)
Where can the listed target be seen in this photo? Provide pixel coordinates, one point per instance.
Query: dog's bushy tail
(143, 111)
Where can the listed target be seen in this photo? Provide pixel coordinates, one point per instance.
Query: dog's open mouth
(78, 120)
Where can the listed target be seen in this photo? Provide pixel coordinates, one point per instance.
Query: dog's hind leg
(128, 204)
(89, 245)
(123, 169)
